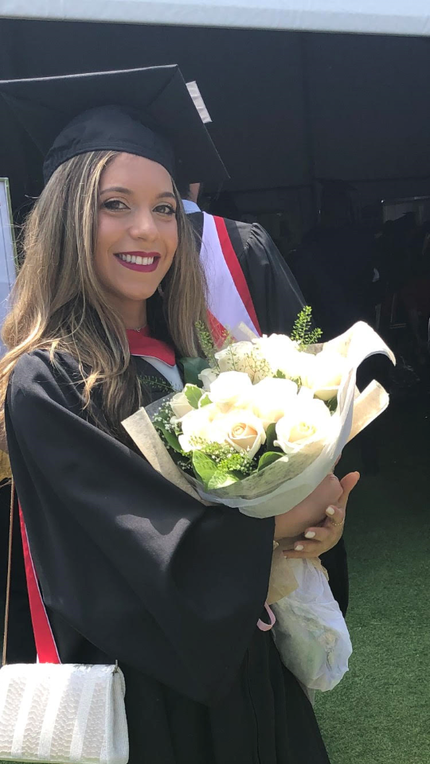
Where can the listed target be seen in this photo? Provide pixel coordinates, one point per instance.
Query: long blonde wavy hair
(58, 304)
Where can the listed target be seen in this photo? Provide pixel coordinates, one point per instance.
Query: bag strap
(8, 577)
(44, 639)
(46, 647)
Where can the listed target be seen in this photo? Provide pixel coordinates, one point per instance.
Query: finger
(311, 549)
(336, 515)
(348, 483)
(324, 538)
(319, 534)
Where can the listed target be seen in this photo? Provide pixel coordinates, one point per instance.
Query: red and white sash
(229, 299)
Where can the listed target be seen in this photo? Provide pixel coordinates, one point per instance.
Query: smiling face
(137, 232)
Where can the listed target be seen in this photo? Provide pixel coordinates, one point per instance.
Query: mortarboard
(148, 112)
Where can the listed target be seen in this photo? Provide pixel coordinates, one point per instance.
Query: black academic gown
(277, 300)
(131, 568)
(274, 291)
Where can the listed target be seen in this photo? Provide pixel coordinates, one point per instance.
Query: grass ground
(380, 713)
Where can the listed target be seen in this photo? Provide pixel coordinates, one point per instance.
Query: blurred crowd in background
(353, 266)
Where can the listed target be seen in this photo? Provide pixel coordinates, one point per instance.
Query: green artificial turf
(380, 713)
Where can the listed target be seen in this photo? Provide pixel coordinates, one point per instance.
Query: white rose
(207, 376)
(196, 425)
(272, 399)
(283, 354)
(180, 405)
(276, 349)
(325, 375)
(231, 388)
(243, 357)
(244, 431)
(309, 422)
(235, 356)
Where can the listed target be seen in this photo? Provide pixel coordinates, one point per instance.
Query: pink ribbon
(267, 626)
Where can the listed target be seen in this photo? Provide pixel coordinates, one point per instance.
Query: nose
(143, 226)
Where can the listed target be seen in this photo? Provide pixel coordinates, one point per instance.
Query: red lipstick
(145, 262)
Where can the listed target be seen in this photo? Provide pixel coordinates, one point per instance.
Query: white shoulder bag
(58, 712)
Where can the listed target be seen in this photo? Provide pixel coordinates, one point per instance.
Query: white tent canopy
(395, 17)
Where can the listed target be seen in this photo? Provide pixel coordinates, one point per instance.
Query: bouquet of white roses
(266, 425)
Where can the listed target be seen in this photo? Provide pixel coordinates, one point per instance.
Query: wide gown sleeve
(139, 568)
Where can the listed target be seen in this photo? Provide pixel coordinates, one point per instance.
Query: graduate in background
(130, 567)
(274, 291)
(271, 298)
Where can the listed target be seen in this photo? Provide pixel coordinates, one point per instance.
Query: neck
(133, 313)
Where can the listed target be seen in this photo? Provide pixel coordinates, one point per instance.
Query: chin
(136, 291)
(143, 294)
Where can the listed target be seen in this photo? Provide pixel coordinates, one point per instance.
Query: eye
(114, 204)
(165, 209)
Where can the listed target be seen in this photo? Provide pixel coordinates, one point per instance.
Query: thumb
(348, 483)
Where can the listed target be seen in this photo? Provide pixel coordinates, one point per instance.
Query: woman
(130, 567)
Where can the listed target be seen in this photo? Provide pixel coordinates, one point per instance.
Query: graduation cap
(148, 112)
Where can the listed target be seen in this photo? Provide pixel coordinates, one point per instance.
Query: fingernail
(330, 511)
(310, 535)
(299, 548)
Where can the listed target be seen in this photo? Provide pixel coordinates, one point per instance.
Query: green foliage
(228, 339)
(204, 466)
(193, 395)
(303, 333)
(168, 431)
(191, 368)
(207, 344)
(280, 375)
(228, 459)
(204, 400)
(225, 457)
(169, 436)
(156, 385)
(269, 458)
(298, 381)
(332, 404)
(214, 471)
(270, 437)
(221, 479)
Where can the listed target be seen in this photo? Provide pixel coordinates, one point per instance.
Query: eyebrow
(122, 190)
